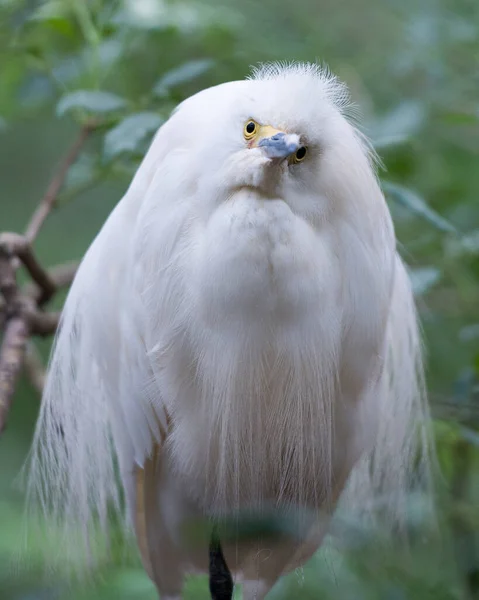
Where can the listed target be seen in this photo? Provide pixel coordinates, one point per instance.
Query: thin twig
(34, 367)
(8, 283)
(17, 245)
(43, 323)
(3, 312)
(48, 201)
(62, 276)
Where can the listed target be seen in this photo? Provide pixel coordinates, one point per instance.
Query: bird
(241, 337)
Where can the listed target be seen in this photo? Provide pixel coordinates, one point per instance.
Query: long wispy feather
(403, 459)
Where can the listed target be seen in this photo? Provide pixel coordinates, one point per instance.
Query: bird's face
(282, 137)
(276, 145)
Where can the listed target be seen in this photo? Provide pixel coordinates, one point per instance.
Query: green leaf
(466, 245)
(470, 435)
(423, 279)
(399, 125)
(388, 141)
(91, 101)
(81, 172)
(130, 132)
(109, 52)
(416, 205)
(183, 17)
(182, 74)
(55, 9)
(460, 118)
(56, 14)
(469, 332)
(132, 582)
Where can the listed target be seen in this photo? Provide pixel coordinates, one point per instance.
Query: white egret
(240, 335)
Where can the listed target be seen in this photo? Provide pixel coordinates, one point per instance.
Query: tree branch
(3, 311)
(8, 283)
(20, 312)
(62, 276)
(43, 323)
(15, 244)
(12, 354)
(48, 201)
(34, 367)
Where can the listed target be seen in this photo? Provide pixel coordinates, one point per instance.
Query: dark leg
(221, 581)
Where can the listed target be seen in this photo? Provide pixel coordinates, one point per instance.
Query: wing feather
(96, 415)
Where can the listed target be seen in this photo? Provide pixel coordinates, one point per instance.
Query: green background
(413, 68)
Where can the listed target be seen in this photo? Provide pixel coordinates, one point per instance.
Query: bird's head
(285, 133)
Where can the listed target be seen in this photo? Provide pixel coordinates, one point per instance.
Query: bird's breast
(251, 373)
(258, 261)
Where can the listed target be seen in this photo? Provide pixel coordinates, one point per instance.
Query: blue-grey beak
(280, 145)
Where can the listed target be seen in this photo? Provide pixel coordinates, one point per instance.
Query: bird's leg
(279, 561)
(221, 581)
(168, 588)
(161, 558)
(270, 566)
(255, 590)
(166, 574)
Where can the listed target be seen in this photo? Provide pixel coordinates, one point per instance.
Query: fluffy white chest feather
(252, 383)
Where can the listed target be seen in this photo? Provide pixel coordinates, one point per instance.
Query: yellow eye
(250, 128)
(299, 155)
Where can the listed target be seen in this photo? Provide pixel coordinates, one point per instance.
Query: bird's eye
(250, 129)
(300, 154)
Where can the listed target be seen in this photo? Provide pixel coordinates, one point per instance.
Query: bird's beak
(276, 143)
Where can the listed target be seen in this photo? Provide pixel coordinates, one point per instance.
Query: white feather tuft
(330, 86)
(403, 459)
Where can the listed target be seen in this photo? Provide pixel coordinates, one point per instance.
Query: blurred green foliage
(413, 69)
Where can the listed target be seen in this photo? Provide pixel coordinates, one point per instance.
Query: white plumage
(242, 329)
